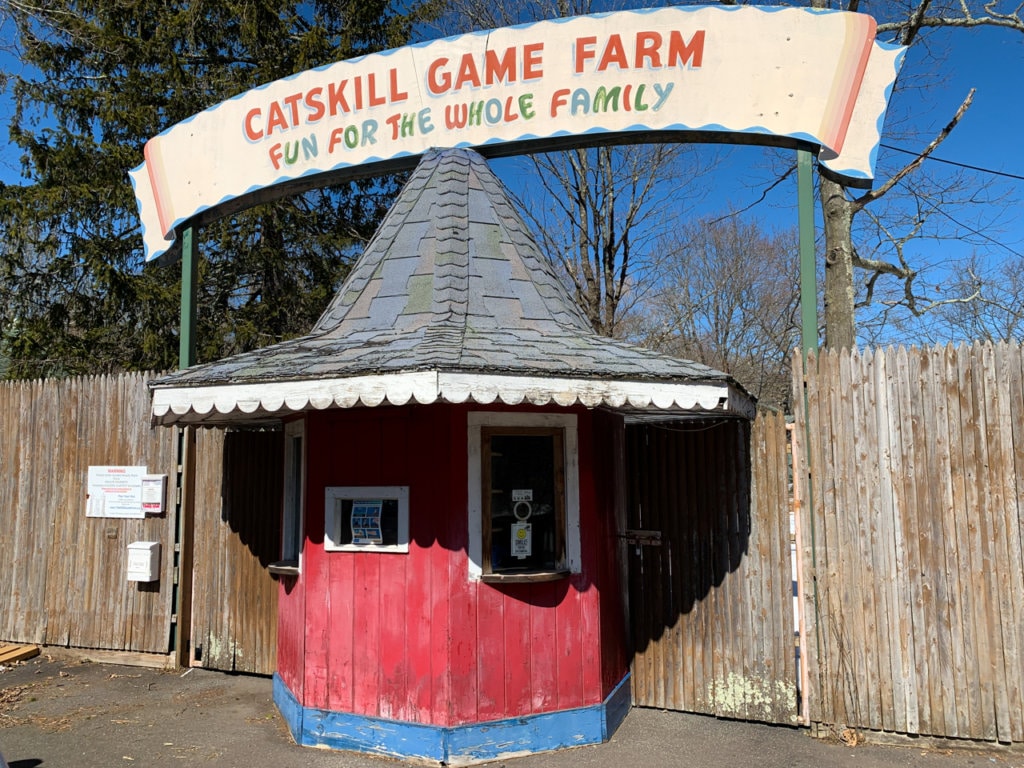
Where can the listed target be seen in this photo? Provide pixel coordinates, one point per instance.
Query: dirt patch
(9, 698)
(13, 697)
(55, 724)
(201, 698)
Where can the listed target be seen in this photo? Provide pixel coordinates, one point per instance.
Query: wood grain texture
(711, 607)
(63, 578)
(915, 550)
(411, 636)
(237, 534)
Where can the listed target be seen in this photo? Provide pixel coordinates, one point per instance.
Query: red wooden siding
(410, 636)
(291, 641)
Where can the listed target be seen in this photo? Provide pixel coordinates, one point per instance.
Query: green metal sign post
(182, 556)
(189, 280)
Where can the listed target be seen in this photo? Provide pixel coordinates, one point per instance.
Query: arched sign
(764, 75)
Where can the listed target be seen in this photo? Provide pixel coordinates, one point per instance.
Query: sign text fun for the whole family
(344, 98)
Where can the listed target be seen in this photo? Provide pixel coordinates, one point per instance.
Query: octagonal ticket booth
(451, 585)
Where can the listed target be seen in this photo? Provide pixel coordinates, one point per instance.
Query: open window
(294, 494)
(523, 486)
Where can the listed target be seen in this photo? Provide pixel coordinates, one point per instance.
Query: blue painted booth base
(456, 745)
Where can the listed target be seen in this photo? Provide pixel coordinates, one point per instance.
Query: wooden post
(809, 344)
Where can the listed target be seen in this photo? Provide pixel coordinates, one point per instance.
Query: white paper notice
(115, 492)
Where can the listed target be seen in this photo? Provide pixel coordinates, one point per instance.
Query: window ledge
(284, 568)
(523, 578)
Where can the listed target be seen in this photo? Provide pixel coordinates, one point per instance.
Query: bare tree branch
(992, 18)
(875, 194)
(914, 23)
(764, 196)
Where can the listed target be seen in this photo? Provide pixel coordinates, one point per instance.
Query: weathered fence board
(711, 606)
(239, 480)
(913, 541)
(909, 468)
(63, 575)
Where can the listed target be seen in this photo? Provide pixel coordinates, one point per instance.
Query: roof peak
(452, 251)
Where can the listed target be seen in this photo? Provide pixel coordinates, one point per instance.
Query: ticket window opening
(367, 519)
(524, 500)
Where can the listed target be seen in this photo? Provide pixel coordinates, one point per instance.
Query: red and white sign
(764, 73)
(114, 492)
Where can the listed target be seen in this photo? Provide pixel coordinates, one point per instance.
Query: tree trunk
(838, 212)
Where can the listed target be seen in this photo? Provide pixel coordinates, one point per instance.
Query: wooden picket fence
(62, 574)
(711, 598)
(913, 460)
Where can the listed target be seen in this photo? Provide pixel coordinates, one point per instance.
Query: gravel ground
(56, 711)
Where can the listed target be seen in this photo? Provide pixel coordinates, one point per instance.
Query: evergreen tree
(101, 77)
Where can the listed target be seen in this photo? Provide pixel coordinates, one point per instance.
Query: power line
(973, 231)
(941, 212)
(953, 162)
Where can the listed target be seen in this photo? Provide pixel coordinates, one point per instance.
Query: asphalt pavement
(57, 711)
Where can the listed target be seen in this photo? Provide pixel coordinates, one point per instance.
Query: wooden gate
(239, 479)
(711, 584)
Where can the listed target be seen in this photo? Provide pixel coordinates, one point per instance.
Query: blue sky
(937, 75)
(992, 61)
(947, 65)
(989, 135)
(935, 78)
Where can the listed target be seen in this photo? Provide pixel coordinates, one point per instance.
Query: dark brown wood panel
(239, 483)
(711, 606)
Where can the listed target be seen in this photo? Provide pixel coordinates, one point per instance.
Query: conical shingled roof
(452, 253)
(452, 300)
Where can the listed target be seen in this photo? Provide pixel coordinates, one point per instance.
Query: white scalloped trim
(234, 402)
